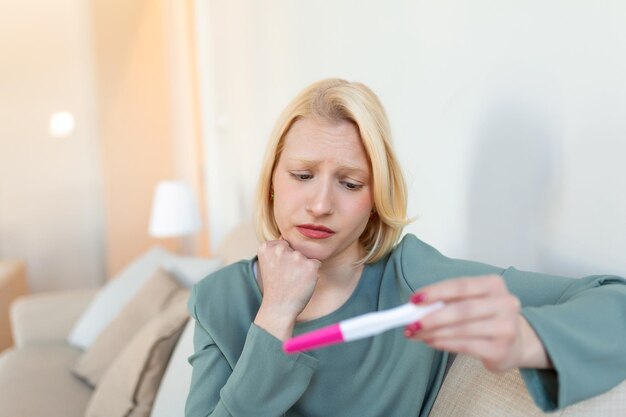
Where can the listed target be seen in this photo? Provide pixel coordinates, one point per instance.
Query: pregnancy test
(359, 327)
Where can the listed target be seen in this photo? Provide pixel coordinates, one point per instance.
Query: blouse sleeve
(582, 325)
(264, 381)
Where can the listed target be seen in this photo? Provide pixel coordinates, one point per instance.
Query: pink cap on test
(325, 336)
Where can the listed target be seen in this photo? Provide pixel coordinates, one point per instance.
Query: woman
(330, 209)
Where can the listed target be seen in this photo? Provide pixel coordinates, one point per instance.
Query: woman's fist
(287, 280)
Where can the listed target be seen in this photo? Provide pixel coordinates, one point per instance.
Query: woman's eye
(351, 186)
(301, 177)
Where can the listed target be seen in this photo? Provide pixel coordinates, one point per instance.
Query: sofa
(37, 376)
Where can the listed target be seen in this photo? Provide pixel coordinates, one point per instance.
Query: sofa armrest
(47, 317)
(470, 390)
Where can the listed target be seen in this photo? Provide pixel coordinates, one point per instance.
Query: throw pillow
(120, 289)
(112, 298)
(129, 386)
(152, 298)
(174, 389)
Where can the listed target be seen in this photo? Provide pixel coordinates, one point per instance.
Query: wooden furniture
(12, 285)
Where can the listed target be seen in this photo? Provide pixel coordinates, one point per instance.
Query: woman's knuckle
(497, 281)
(461, 311)
(497, 348)
(511, 303)
(508, 331)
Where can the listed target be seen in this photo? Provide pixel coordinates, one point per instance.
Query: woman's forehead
(310, 140)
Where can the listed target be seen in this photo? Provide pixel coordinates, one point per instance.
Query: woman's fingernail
(408, 333)
(415, 326)
(418, 297)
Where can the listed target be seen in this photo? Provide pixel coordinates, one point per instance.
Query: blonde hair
(339, 100)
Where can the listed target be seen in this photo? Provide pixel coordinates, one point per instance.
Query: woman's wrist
(275, 321)
(533, 353)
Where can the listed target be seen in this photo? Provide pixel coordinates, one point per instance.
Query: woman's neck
(338, 276)
(337, 281)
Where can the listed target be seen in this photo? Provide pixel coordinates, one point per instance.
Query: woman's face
(322, 190)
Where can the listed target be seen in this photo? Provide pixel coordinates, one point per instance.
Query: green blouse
(241, 370)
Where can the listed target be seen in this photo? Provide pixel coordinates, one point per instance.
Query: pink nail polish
(417, 326)
(414, 326)
(418, 297)
(408, 333)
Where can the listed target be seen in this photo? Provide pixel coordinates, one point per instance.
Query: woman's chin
(310, 251)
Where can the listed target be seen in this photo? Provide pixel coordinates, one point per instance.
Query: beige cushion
(153, 297)
(114, 296)
(470, 390)
(129, 386)
(35, 381)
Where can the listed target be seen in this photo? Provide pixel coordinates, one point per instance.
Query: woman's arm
(581, 323)
(581, 333)
(287, 280)
(263, 382)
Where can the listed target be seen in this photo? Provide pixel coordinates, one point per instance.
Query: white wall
(508, 116)
(50, 189)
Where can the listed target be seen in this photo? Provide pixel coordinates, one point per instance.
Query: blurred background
(509, 119)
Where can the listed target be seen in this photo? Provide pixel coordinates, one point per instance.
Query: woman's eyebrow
(343, 167)
(304, 161)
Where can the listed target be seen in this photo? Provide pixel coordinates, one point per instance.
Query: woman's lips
(314, 231)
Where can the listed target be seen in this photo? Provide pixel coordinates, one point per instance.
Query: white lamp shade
(174, 210)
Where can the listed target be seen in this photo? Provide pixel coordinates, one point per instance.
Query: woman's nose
(320, 201)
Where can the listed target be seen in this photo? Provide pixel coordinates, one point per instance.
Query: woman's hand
(481, 318)
(287, 281)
